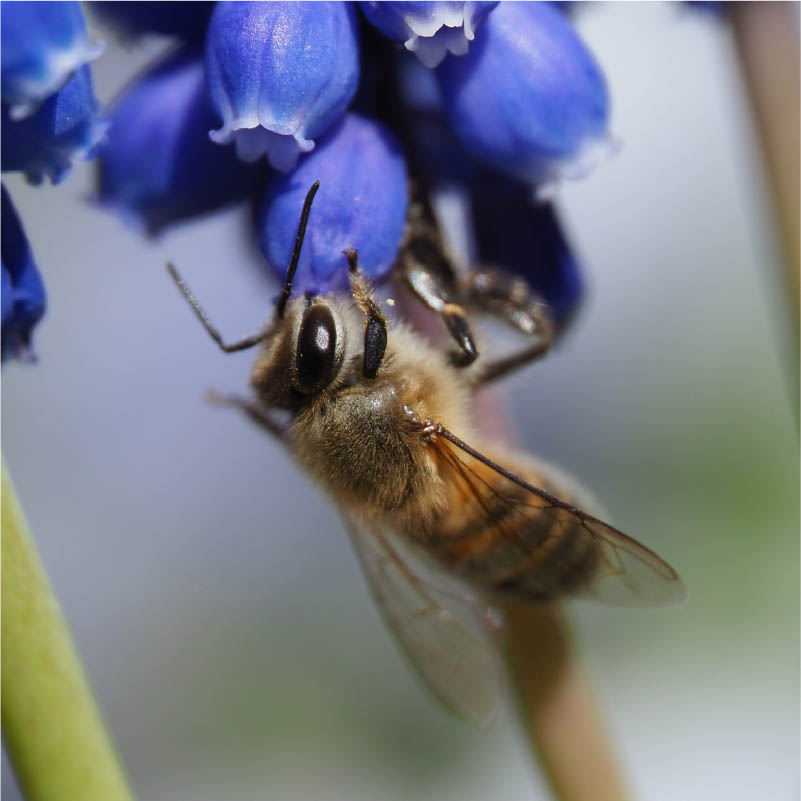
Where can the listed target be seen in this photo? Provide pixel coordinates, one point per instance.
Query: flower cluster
(368, 98)
(259, 99)
(49, 119)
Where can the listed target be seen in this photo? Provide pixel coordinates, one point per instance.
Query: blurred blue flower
(510, 228)
(529, 98)
(49, 119)
(186, 19)
(431, 30)
(159, 165)
(432, 143)
(361, 204)
(23, 293)
(43, 44)
(514, 230)
(280, 74)
(710, 7)
(65, 128)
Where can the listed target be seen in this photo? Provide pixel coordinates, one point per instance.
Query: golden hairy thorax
(359, 443)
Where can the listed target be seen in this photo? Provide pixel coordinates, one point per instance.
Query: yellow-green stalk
(52, 730)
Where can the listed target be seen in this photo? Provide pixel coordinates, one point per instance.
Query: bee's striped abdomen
(503, 538)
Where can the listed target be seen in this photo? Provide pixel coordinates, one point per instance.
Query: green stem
(52, 730)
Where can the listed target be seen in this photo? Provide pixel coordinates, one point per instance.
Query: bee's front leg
(428, 272)
(252, 409)
(375, 329)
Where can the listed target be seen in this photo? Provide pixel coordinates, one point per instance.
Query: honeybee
(443, 528)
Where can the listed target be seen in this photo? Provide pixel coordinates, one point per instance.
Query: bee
(444, 529)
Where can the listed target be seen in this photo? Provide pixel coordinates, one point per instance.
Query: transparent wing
(444, 632)
(538, 544)
(628, 573)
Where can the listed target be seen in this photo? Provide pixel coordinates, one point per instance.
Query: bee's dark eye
(316, 352)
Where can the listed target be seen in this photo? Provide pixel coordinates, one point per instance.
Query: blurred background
(212, 591)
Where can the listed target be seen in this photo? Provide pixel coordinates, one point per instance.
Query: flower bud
(65, 128)
(361, 204)
(529, 98)
(159, 165)
(429, 29)
(43, 44)
(280, 74)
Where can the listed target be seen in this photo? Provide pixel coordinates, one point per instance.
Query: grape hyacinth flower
(280, 74)
(529, 98)
(65, 128)
(43, 44)
(510, 226)
(430, 30)
(49, 120)
(351, 210)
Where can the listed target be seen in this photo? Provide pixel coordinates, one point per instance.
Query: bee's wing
(629, 574)
(444, 632)
(626, 573)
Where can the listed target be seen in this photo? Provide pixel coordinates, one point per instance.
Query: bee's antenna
(293, 262)
(247, 342)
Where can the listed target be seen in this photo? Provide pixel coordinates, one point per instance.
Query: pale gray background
(212, 591)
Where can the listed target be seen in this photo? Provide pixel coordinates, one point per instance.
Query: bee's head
(304, 349)
(305, 352)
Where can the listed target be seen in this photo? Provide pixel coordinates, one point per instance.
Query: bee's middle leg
(510, 298)
(429, 273)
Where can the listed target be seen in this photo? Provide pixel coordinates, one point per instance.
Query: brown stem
(557, 708)
(767, 42)
(554, 696)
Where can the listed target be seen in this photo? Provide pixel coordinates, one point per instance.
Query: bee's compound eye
(316, 351)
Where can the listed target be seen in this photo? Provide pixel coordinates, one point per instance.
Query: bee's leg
(375, 329)
(426, 269)
(230, 347)
(510, 298)
(251, 409)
